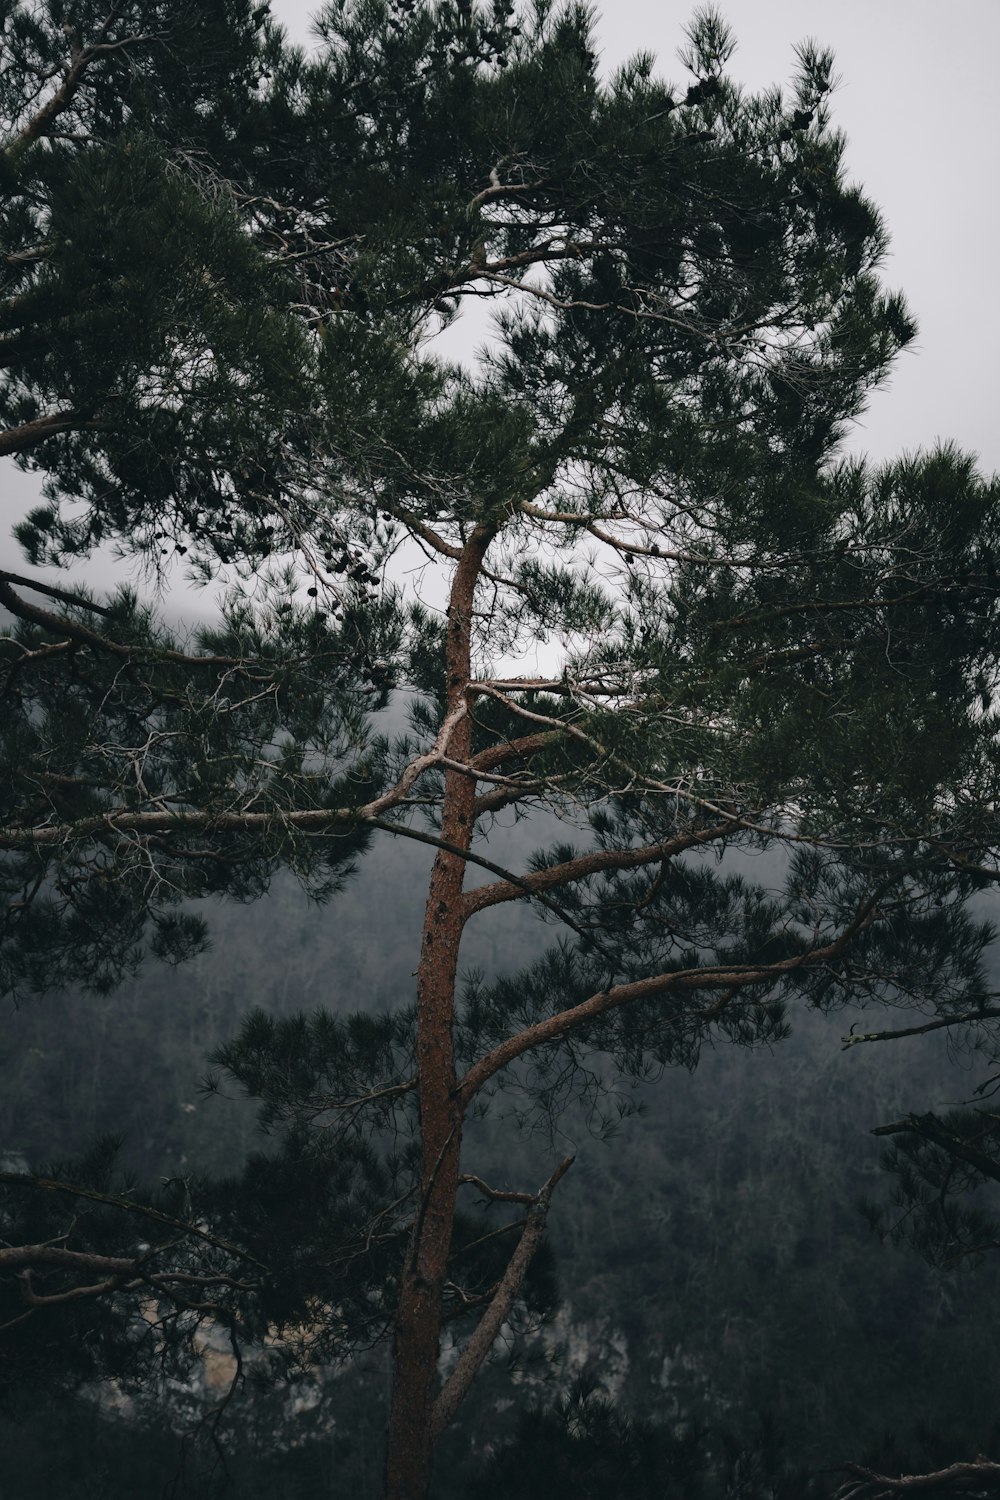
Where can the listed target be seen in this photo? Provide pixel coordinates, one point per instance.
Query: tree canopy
(615, 570)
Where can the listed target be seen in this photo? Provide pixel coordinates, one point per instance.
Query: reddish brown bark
(30, 434)
(555, 876)
(418, 1324)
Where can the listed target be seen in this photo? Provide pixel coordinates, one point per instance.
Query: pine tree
(226, 265)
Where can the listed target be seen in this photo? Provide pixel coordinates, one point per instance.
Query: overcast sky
(918, 101)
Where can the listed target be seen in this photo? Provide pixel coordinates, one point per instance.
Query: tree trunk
(418, 1323)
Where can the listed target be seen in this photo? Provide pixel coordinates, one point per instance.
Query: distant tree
(584, 1446)
(617, 568)
(945, 1203)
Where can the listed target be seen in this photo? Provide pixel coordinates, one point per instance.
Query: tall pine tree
(665, 610)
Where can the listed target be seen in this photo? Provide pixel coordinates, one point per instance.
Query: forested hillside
(712, 1263)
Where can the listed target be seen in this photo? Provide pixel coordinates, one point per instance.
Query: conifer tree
(669, 614)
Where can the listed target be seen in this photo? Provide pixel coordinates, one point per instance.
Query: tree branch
(113, 1200)
(528, 744)
(930, 1129)
(63, 595)
(980, 1477)
(481, 1341)
(495, 1195)
(30, 434)
(596, 863)
(968, 1017)
(11, 1257)
(60, 625)
(731, 978)
(65, 93)
(421, 529)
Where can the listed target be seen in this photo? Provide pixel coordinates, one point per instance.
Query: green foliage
(122, 720)
(153, 1274)
(228, 408)
(79, 1346)
(225, 265)
(138, 316)
(945, 1169)
(254, 333)
(741, 1176)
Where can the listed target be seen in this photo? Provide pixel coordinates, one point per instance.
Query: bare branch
(495, 1195)
(113, 1200)
(481, 1341)
(966, 1018)
(980, 1477)
(14, 1256)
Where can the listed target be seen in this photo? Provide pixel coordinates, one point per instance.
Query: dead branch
(980, 1477)
(965, 1018)
(481, 1341)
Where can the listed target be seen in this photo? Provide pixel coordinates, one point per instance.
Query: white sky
(918, 102)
